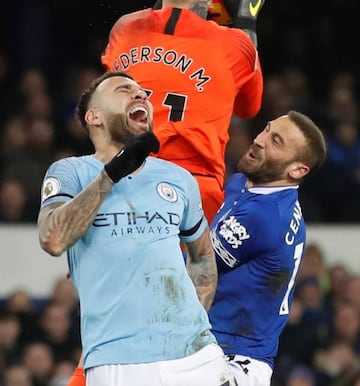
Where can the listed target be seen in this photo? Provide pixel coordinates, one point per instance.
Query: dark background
(320, 36)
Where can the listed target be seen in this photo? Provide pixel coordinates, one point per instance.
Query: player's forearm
(61, 225)
(204, 277)
(202, 269)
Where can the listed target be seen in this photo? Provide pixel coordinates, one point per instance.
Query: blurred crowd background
(49, 52)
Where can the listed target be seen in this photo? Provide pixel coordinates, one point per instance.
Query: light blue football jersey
(259, 237)
(138, 303)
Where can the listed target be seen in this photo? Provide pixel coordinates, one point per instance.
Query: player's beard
(120, 130)
(263, 172)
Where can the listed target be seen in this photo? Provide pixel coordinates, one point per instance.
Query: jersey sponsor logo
(135, 223)
(233, 232)
(140, 230)
(254, 9)
(221, 251)
(51, 186)
(135, 218)
(173, 58)
(167, 192)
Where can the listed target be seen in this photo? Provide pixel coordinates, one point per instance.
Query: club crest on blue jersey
(167, 192)
(51, 186)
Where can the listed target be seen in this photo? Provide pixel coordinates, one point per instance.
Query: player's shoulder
(63, 162)
(259, 203)
(234, 38)
(73, 162)
(136, 15)
(134, 19)
(170, 168)
(273, 205)
(236, 179)
(230, 32)
(234, 184)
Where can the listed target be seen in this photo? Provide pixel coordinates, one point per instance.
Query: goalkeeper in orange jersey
(197, 74)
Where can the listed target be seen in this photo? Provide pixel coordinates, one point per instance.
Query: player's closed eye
(277, 140)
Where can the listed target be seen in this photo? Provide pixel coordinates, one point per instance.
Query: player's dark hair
(85, 97)
(314, 153)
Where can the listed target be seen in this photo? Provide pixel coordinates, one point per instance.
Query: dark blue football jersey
(259, 237)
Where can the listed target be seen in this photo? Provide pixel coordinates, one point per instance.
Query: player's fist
(132, 155)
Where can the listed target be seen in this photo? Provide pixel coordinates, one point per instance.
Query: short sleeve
(194, 222)
(61, 182)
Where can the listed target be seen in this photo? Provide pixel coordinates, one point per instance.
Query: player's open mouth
(138, 114)
(138, 118)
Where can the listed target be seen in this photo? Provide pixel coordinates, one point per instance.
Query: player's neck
(104, 152)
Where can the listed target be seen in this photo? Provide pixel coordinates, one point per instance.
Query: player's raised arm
(244, 15)
(240, 14)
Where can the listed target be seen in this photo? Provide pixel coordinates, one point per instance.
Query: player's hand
(132, 155)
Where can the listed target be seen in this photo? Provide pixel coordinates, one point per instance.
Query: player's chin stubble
(119, 129)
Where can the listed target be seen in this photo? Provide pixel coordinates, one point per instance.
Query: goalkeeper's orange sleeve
(77, 378)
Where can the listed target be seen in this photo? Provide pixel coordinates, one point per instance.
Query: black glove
(132, 155)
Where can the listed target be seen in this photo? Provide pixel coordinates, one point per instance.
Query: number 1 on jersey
(177, 105)
(284, 308)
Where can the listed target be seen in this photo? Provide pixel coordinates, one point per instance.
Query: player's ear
(298, 170)
(92, 117)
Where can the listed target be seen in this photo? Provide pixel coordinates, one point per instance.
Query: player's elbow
(247, 115)
(247, 110)
(52, 246)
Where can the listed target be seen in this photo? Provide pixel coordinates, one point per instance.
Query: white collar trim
(270, 189)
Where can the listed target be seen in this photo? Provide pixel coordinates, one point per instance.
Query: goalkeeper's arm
(240, 14)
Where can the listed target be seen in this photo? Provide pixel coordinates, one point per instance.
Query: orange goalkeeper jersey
(197, 73)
